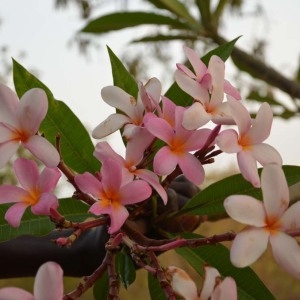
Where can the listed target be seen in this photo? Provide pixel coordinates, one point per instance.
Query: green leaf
(176, 7)
(125, 268)
(71, 209)
(76, 145)
(223, 51)
(248, 283)
(156, 292)
(122, 78)
(210, 200)
(165, 38)
(122, 20)
(100, 289)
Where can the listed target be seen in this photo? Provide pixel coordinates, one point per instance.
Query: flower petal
(159, 128)
(227, 141)
(164, 161)
(246, 210)
(197, 64)
(153, 180)
(7, 150)
(225, 290)
(46, 201)
(209, 282)
(275, 190)
(104, 151)
(261, 125)
(110, 125)
(266, 154)
(11, 194)
(111, 175)
(248, 167)
(191, 87)
(290, 219)
(42, 149)
(48, 179)
(48, 284)
(231, 90)
(248, 246)
(134, 192)
(286, 252)
(89, 184)
(195, 116)
(240, 115)
(191, 168)
(181, 283)
(14, 214)
(32, 110)
(14, 293)
(9, 103)
(27, 173)
(116, 97)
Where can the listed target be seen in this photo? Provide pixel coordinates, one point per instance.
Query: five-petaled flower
(35, 191)
(19, 123)
(48, 285)
(112, 193)
(213, 287)
(133, 109)
(180, 143)
(207, 86)
(268, 221)
(248, 144)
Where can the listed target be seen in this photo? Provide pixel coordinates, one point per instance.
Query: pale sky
(45, 33)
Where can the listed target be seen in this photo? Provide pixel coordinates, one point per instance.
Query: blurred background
(63, 42)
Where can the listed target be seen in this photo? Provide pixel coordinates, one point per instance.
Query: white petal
(209, 283)
(226, 290)
(110, 125)
(290, 219)
(248, 246)
(195, 116)
(246, 210)
(266, 154)
(275, 190)
(9, 103)
(286, 252)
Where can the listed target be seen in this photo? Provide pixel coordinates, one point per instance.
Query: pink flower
(134, 110)
(35, 191)
(207, 86)
(249, 144)
(268, 221)
(19, 123)
(48, 285)
(112, 194)
(129, 165)
(180, 142)
(213, 287)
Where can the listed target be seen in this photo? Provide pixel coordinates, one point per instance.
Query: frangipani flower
(48, 285)
(112, 194)
(19, 123)
(207, 86)
(129, 165)
(35, 191)
(248, 144)
(268, 221)
(213, 287)
(180, 142)
(133, 109)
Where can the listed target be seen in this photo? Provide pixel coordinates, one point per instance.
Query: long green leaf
(122, 78)
(122, 20)
(165, 38)
(223, 51)
(31, 224)
(176, 7)
(125, 268)
(156, 292)
(76, 145)
(100, 289)
(249, 285)
(210, 200)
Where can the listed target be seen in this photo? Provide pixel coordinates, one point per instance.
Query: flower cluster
(162, 140)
